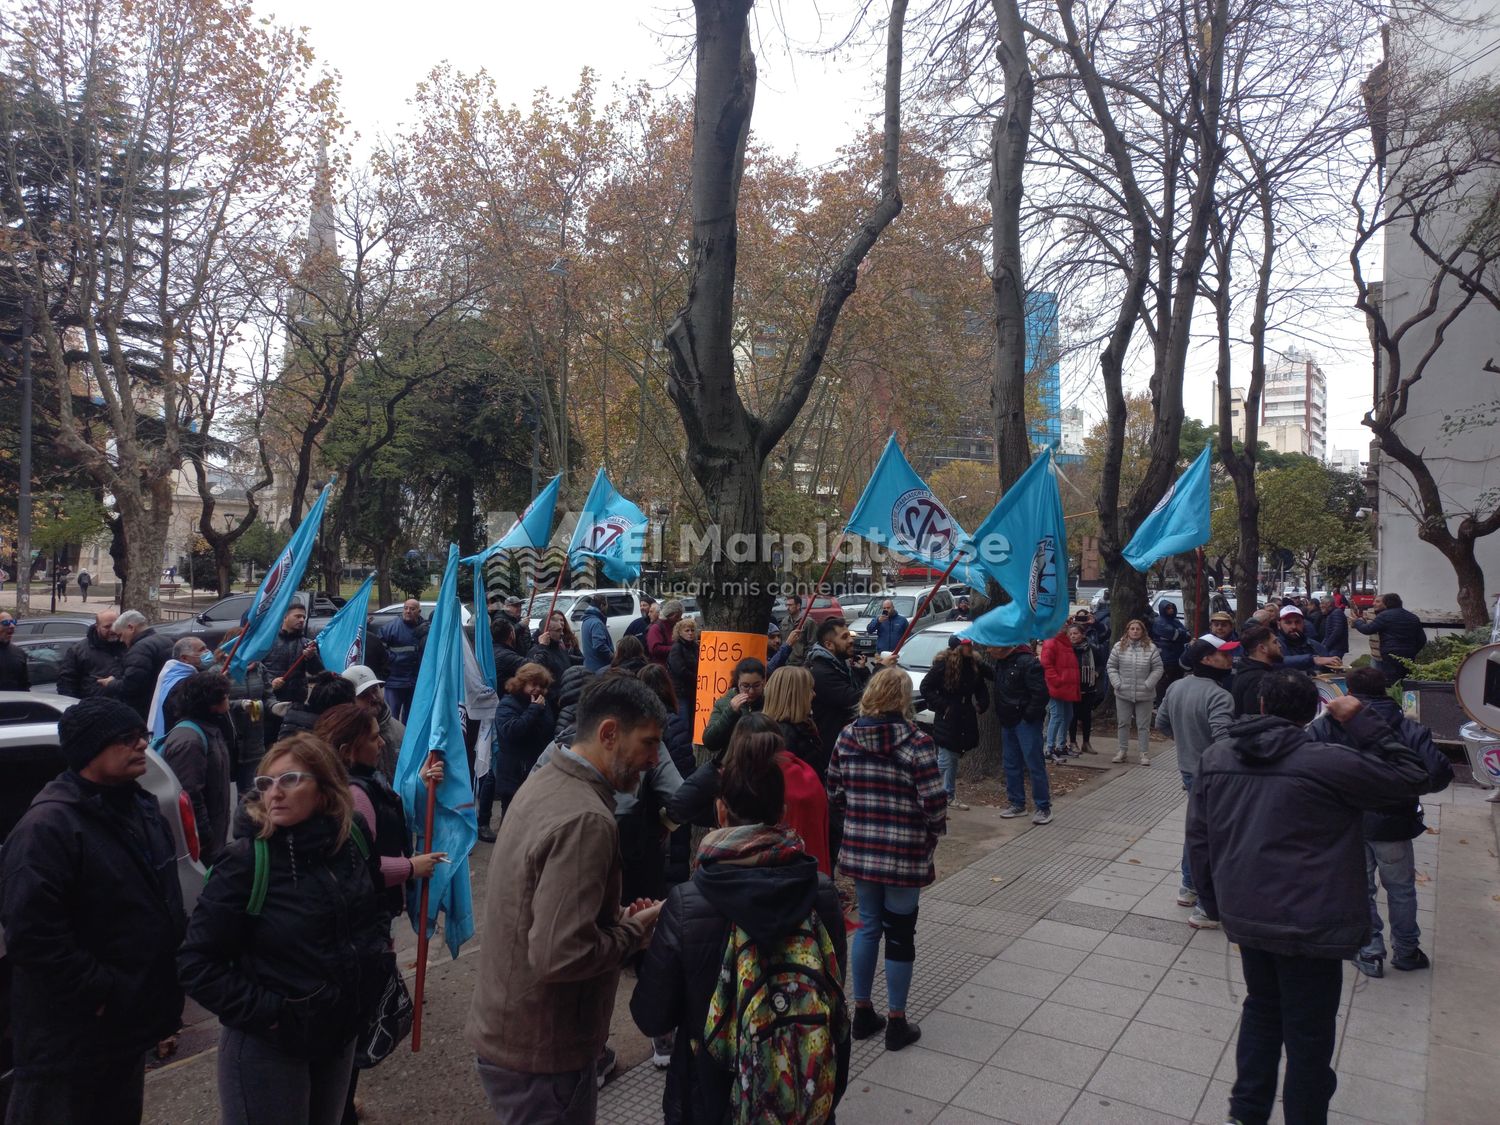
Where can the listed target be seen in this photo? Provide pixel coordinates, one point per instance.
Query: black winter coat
(307, 971)
(1246, 690)
(804, 742)
(90, 660)
(1275, 831)
(556, 660)
(1401, 634)
(522, 731)
(955, 714)
(1402, 820)
(144, 660)
(568, 692)
(92, 911)
(15, 674)
(1020, 688)
(837, 687)
(679, 739)
(285, 650)
(681, 970)
(1336, 633)
(682, 665)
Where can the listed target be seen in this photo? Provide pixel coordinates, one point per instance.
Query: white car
(917, 656)
(624, 607)
(29, 758)
(388, 613)
(907, 599)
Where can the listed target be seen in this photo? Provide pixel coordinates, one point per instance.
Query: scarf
(750, 845)
(172, 673)
(1088, 668)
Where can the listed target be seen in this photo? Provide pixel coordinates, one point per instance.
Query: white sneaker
(1145, 761)
(1201, 921)
(1120, 757)
(661, 1050)
(1187, 897)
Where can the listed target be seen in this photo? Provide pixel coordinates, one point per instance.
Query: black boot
(866, 1022)
(899, 1032)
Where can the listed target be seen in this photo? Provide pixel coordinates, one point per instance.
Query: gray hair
(672, 608)
(128, 618)
(188, 646)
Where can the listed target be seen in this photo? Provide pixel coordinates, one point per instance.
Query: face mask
(207, 659)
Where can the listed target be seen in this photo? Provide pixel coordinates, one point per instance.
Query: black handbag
(389, 1024)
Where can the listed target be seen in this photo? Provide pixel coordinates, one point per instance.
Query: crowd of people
(752, 974)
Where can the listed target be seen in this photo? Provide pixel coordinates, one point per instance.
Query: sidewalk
(1057, 981)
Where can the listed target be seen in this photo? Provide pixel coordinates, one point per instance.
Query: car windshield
(565, 602)
(904, 606)
(921, 649)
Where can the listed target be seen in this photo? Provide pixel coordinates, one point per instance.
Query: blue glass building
(1042, 366)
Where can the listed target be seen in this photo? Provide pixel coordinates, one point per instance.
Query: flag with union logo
(1179, 522)
(277, 590)
(1023, 545)
(610, 529)
(341, 643)
(899, 511)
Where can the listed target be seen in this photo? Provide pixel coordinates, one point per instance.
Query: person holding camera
(888, 628)
(839, 678)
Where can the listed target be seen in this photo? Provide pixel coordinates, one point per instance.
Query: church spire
(322, 235)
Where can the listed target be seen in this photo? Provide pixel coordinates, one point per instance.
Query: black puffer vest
(391, 836)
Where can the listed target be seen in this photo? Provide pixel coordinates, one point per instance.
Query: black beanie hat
(90, 725)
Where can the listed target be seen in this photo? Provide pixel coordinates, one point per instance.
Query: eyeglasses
(289, 780)
(8, 623)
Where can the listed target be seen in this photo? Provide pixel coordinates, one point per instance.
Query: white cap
(1219, 642)
(363, 678)
(1291, 610)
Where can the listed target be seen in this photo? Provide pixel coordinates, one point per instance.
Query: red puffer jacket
(1061, 668)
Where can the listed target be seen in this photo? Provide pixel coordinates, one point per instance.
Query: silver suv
(907, 599)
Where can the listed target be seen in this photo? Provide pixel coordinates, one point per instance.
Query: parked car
(53, 626)
(388, 613)
(223, 617)
(44, 657)
(906, 599)
(823, 607)
(624, 607)
(917, 656)
(1216, 602)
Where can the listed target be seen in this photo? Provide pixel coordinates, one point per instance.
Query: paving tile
(1202, 988)
(1041, 1056)
(1224, 963)
(1137, 883)
(1462, 1085)
(1118, 970)
(1096, 1109)
(1385, 1064)
(1213, 1109)
(1207, 939)
(1127, 870)
(1385, 1029)
(961, 1036)
(1383, 1102)
(1162, 903)
(1142, 950)
(1157, 860)
(1098, 996)
(926, 1073)
(965, 939)
(1154, 929)
(1183, 1050)
(1113, 900)
(957, 1115)
(1395, 994)
(1039, 955)
(1019, 978)
(1060, 1021)
(1183, 1015)
(1065, 934)
(1151, 1085)
(1081, 914)
(871, 1104)
(992, 1005)
(1021, 1098)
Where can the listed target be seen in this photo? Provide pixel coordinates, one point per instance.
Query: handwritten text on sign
(718, 653)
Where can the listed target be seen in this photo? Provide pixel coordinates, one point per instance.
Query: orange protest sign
(718, 653)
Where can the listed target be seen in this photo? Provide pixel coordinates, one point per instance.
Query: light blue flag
(1023, 545)
(484, 644)
(610, 529)
(899, 511)
(436, 724)
(277, 589)
(341, 643)
(1178, 523)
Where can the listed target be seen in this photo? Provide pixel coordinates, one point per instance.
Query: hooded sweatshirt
(1274, 833)
(1195, 712)
(884, 779)
(758, 878)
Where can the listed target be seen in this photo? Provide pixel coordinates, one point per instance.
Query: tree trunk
(1472, 603)
(463, 504)
(382, 554)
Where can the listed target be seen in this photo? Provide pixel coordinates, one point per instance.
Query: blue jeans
(1397, 865)
(948, 767)
(1022, 754)
(1187, 876)
(877, 904)
(1059, 715)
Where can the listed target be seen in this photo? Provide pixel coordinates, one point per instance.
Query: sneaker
(1087, 749)
(1145, 761)
(1072, 750)
(867, 1021)
(604, 1066)
(1201, 921)
(1043, 816)
(1013, 810)
(900, 1032)
(1406, 962)
(1186, 896)
(1118, 758)
(955, 803)
(1370, 966)
(661, 1050)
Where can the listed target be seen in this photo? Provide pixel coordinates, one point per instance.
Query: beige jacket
(554, 939)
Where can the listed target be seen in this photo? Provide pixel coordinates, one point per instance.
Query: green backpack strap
(262, 852)
(357, 835)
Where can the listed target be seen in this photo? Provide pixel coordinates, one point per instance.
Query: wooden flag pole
(562, 572)
(921, 609)
(833, 554)
(422, 937)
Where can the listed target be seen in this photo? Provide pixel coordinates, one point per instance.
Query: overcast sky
(805, 103)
